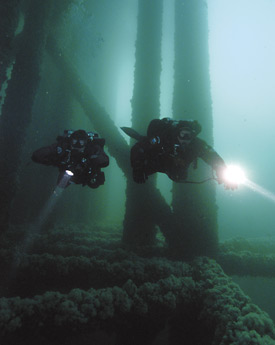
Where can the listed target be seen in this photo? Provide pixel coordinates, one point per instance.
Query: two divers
(170, 147)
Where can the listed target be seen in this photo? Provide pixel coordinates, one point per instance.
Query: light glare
(68, 172)
(234, 174)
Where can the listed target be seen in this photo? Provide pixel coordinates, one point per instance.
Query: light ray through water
(34, 229)
(234, 174)
(260, 190)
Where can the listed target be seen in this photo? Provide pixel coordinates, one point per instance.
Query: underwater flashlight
(69, 173)
(65, 179)
(234, 174)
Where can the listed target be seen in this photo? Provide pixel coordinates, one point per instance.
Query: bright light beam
(260, 190)
(34, 229)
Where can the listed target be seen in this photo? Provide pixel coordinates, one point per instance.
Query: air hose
(198, 182)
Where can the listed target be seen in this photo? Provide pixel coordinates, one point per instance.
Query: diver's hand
(139, 176)
(230, 185)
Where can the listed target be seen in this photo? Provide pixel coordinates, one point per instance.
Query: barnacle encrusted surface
(76, 283)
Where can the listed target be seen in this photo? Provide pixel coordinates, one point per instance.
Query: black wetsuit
(163, 153)
(85, 166)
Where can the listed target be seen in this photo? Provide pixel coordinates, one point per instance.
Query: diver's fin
(132, 133)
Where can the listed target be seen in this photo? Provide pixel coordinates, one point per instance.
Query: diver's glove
(139, 175)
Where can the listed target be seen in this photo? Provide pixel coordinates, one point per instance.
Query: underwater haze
(158, 263)
(242, 71)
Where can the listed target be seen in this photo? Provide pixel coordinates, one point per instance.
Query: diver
(79, 156)
(170, 147)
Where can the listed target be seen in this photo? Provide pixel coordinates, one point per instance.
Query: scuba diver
(170, 147)
(79, 156)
